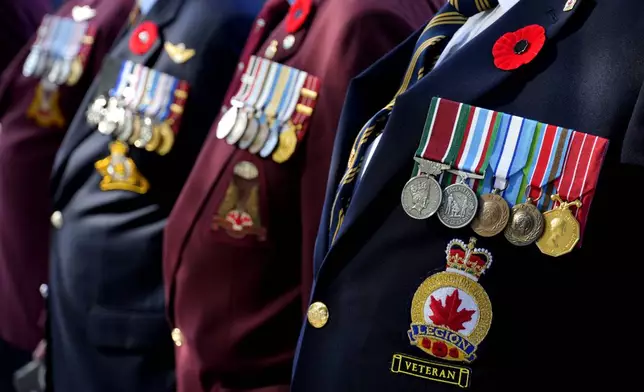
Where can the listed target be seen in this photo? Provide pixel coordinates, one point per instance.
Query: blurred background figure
(19, 19)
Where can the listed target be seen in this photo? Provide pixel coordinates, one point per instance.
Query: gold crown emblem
(465, 257)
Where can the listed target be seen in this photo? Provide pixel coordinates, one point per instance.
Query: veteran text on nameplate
(435, 371)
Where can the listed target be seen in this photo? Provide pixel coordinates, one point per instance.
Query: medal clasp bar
(431, 168)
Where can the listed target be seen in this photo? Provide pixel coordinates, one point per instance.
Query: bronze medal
(492, 217)
(526, 224)
(562, 231)
(155, 141)
(167, 139)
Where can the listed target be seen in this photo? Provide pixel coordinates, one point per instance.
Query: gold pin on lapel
(570, 4)
(178, 53)
(83, 13)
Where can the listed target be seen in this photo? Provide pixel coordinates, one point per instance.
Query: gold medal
(154, 142)
(287, 144)
(492, 217)
(167, 139)
(76, 72)
(562, 232)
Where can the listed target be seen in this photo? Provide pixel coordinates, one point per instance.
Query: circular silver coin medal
(250, 134)
(260, 139)
(239, 128)
(458, 207)
(227, 122)
(271, 142)
(421, 197)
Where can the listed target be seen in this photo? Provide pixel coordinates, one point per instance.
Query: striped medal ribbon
(252, 127)
(287, 134)
(71, 51)
(227, 121)
(260, 72)
(545, 162)
(36, 53)
(563, 229)
(278, 101)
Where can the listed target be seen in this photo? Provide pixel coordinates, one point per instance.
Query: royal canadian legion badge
(451, 313)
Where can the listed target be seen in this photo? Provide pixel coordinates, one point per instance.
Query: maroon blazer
(26, 157)
(237, 302)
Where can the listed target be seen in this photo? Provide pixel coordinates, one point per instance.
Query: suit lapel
(457, 79)
(162, 14)
(364, 102)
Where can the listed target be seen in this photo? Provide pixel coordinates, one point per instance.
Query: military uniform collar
(507, 4)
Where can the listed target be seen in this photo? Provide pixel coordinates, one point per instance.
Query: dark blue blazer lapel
(368, 92)
(465, 77)
(162, 14)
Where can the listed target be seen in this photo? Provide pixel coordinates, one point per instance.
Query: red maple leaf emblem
(448, 315)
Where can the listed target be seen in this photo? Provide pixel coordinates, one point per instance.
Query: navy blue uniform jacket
(107, 314)
(560, 324)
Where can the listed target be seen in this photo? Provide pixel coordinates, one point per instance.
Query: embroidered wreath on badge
(297, 15)
(451, 313)
(143, 37)
(518, 48)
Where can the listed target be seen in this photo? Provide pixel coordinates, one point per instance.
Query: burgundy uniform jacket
(27, 153)
(236, 301)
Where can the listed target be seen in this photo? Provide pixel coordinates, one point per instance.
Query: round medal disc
(154, 143)
(167, 139)
(260, 139)
(271, 143)
(561, 233)
(227, 122)
(492, 216)
(146, 133)
(525, 226)
(75, 72)
(136, 129)
(458, 207)
(126, 131)
(421, 197)
(250, 134)
(238, 129)
(287, 144)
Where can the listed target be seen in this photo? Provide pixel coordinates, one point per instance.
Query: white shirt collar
(507, 4)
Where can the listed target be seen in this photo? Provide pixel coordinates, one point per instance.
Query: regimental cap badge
(120, 172)
(451, 313)
(462, 258)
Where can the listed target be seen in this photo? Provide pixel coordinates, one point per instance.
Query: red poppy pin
(518, 48)
(297, 14)
(143, 37)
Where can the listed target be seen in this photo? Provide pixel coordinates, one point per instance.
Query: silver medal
(29, 67)
(227, 122)
(250, 134)
(421, 197)
(96, 111)
(458, 207)
(260, 139)
(147, 132)
(239, 128)
(271, 142)
(109, 122)
(128, 126)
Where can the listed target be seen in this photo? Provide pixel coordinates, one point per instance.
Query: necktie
(431, 43)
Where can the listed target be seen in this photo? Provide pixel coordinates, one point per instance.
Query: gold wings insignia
(178, 53)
